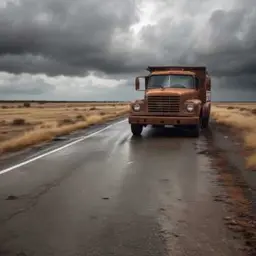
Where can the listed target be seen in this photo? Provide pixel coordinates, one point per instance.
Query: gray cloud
(23, 86)
(233, 42)
(63, 37)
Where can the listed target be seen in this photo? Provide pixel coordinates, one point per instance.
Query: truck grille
(170, 104)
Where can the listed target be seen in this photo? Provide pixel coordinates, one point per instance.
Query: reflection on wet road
(112, 194)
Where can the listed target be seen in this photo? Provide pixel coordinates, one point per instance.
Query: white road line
(58, 149)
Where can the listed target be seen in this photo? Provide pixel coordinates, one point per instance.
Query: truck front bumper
(163, 120)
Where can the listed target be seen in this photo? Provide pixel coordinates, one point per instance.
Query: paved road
(111, 194)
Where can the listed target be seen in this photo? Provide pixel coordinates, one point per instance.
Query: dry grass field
(26, 124)
(241, 117)
(23, 125)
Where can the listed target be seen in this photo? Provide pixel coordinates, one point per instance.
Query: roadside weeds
(241, 122)
(43, 134)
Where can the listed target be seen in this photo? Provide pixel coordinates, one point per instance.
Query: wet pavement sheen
(116, 195)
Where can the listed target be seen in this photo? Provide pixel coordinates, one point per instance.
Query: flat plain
(26, 124)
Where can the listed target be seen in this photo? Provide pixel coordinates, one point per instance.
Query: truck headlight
(136, 107)
(190, 107)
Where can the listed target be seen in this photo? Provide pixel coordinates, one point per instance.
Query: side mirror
(137, 83)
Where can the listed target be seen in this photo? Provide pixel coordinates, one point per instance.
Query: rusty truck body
(174, 95)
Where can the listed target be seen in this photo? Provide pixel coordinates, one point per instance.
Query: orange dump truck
(174, 95)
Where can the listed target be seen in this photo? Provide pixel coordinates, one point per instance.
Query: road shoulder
(239, 183)
(11, 159)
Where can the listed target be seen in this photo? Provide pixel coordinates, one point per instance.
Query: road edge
(233, 149)
(239, 183)
(12, 159)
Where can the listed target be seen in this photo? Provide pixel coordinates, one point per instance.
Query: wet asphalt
(113, 194)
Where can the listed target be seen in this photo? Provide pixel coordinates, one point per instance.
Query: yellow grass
(22, 127)
(242, 117)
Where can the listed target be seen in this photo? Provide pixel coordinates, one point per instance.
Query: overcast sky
(93, 49)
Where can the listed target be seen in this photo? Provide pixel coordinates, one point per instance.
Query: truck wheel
(205, 122)
(136, 129)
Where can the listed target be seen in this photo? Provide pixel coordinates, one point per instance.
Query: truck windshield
(171, 81)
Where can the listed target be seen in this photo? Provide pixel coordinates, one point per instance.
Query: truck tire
(205, 122)
(136, 129)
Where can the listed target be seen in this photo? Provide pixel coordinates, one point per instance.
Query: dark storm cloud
(64, 37)
(33, 64)
(233, 43)
(232, 54)
(72, 37)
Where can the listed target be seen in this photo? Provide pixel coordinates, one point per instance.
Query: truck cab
(174, 95)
